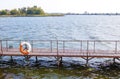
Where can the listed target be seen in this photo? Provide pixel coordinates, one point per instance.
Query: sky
(66, 6)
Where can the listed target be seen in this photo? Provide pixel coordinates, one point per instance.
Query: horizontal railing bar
(69, 40)
(88, 51)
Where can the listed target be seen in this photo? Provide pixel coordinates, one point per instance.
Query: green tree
(35, 10)
(14, 12)
(29, 11)
(22, 11)
(38, 10)
(3, 12)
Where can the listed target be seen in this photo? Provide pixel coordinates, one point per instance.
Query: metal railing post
(87, 47)
(32, 46)
(81, 46)
(51, 45)
(57, 47)
(6, 45)
(94, 46)
(0, 44)
(63, 46)
(1, 47)
(115, 47)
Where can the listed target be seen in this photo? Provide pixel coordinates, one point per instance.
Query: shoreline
(32, 15)
(50, 15)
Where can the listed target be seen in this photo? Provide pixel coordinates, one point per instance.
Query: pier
(86, 49)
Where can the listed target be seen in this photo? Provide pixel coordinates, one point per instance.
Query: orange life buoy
(25, 51)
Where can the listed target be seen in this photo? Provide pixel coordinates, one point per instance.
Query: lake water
(74, 27)
(67, 27)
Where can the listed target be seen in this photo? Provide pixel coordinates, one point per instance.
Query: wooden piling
(87, 62)
(114, 60)
(59, 61)
(36, 59)
(11, 58)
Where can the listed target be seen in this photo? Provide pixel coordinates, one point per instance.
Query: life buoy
(25, 51)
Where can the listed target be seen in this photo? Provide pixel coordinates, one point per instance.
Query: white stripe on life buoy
(28, 44)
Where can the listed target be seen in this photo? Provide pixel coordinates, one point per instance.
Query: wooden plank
(63, 54)
(67, 53)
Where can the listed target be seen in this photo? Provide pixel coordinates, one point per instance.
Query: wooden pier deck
(86, 49)
(60, 53)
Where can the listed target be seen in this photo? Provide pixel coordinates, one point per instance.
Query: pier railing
(65, 47)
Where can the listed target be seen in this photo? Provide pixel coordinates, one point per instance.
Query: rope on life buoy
(25, 51)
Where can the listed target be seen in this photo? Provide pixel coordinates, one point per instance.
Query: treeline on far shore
(26, 11)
